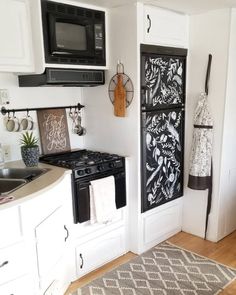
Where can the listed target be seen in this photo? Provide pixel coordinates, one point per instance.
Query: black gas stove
(84, 162)
(86, 166)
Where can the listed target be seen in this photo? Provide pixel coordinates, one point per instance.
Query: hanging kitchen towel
(5, 199)
(102, 200)
(200, 174)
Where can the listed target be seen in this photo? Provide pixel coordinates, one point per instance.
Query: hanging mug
(12, 124)
(27, 123)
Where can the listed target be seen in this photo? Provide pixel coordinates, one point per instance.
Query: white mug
(13, 124)
(27, 123)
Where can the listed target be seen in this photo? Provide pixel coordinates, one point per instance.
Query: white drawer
(21, 286)
(99, 251)
(10, 230)
(13, 262)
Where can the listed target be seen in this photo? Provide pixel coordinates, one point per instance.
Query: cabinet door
(21, 286)
(97, 252)
(13, 262)
(165, 27)
(15, 36)
(163, 77)
(163, 136)
(11, 233)
(50, 237)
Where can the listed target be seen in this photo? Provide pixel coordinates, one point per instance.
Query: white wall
(114, 134)
(208, 33)
(227, 207)
(122, 135)
(30, 97)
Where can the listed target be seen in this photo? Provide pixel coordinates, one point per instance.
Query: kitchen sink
(22, 173)
(13, 178)
(9, 185)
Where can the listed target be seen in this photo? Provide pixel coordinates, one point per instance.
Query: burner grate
(77, 159)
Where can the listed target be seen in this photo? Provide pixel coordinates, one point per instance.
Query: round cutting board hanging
(121, 91)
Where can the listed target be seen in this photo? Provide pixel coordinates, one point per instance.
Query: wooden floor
(223, 252)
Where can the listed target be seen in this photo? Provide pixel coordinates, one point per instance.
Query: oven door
(81, 196)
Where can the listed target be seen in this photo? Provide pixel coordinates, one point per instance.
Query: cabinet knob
(67, 233)
(3, 264)
(150, 23)
(82, 261)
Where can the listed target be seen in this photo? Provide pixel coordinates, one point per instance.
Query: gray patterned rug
(163, 270)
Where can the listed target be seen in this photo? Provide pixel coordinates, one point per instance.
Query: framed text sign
(53, 130)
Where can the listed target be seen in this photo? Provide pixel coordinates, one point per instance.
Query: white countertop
(37, 186)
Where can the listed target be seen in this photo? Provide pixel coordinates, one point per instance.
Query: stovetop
(84, 162)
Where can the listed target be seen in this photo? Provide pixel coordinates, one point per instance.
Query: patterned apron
(200, 174)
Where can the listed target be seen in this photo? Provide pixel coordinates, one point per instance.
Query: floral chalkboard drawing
(164, 80)
(163, 149)
(53, 131)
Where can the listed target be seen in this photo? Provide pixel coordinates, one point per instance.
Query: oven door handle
(86, 179)
(84, 184)
(119, 175)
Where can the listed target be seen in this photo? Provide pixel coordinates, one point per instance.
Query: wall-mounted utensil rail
(5, 111)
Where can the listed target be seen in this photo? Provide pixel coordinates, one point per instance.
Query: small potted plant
(29, 149)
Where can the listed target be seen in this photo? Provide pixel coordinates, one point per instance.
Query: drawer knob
(3, 264)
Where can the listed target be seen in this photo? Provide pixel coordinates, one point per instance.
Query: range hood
(64, 77)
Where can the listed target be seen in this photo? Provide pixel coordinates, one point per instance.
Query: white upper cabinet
(165, 27)
(15, 36)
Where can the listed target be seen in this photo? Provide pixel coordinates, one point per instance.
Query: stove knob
(111, 165)
(80, 172)
(99, 168)
(88, 170)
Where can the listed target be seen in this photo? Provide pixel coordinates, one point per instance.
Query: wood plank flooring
(223, 252)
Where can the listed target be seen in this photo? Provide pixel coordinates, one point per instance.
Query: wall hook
(127, 84)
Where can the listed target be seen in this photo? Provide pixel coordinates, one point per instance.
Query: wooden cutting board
(119, 97)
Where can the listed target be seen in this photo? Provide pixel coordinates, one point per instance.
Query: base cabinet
(12, 232)
(44, 224)
(51, 241)
(99, 251)
(161, 223)
(21, 286)
(45, 248)
(15, 271)
(13, 265)
(60, 279)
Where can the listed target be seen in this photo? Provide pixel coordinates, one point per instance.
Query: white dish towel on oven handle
(102, 200)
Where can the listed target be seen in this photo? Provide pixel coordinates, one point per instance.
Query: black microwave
(73, 35)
